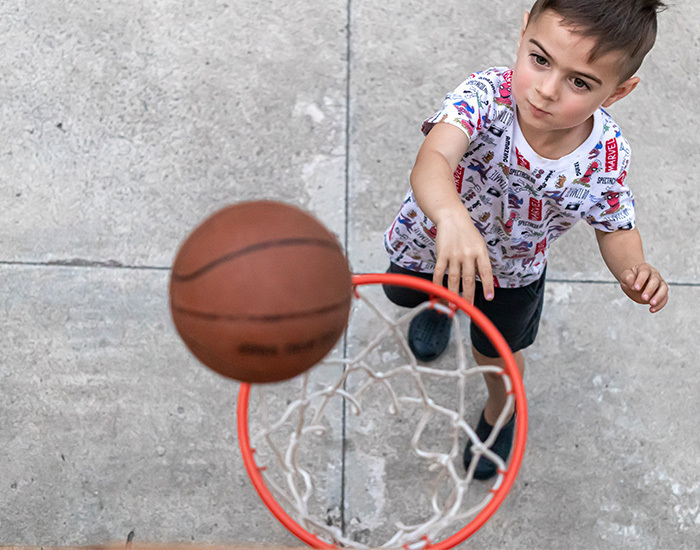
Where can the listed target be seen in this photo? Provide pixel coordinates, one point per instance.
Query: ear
(621, 91)
(526, 18)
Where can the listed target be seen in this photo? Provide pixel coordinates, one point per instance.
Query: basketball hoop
(450, 517)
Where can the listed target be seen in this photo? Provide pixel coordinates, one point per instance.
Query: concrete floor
(125, 123)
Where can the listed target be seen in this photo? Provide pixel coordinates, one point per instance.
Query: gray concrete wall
(122, 124)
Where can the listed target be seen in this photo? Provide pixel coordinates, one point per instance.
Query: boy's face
(555, 86)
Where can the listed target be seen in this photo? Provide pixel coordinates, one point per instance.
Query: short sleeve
(614, 208)
(470, 106)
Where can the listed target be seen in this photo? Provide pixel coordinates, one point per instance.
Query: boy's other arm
(623, 253)
(460, 248)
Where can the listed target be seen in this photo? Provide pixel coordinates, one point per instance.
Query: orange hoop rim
(520, 437)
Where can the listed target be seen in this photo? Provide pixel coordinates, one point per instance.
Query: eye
(580, 84)
(538, 59)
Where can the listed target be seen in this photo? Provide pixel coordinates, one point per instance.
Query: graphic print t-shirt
(520, 202)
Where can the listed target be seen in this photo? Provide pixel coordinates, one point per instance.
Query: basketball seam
(262, 318)
(281, 243)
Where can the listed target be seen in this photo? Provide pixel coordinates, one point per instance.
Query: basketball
(260, 291)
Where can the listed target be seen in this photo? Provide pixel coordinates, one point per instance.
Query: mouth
(537, 111)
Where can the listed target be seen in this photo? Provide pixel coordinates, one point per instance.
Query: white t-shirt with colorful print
(520, 202)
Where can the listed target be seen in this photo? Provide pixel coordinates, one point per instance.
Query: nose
(547, 86)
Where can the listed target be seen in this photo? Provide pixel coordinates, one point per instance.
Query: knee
(484, 360)
(404, 297)
(493, 377)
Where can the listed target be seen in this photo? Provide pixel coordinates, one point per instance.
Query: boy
(512, 160)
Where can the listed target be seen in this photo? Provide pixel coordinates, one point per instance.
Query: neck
(557, 143)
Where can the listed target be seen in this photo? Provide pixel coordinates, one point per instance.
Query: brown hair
(628, 26)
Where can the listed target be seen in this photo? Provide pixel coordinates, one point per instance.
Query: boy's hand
(462, 251)
(644, 284)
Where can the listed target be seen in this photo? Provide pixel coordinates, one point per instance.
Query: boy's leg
(429, 331)
(402, 296)
(495, 404)
(494, 383)
(516, 314)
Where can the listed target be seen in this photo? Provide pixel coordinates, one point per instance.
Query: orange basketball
(260, 291)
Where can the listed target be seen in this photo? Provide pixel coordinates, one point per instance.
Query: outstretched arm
(624, 255)
(460, 248)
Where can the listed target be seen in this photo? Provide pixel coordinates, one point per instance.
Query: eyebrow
(585, 75)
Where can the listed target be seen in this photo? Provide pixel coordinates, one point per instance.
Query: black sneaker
(429, 334)
(486, 469)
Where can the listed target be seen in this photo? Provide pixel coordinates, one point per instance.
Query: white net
(367, 451)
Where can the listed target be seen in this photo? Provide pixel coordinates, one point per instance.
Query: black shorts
(515, 312)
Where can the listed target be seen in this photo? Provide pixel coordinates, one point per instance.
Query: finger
(486, 276)
(642, 276)
(650, 288)
(660, 305)
(468, 282)
(660, 298)
(439, 273)
(627, 278)
(453, 275)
